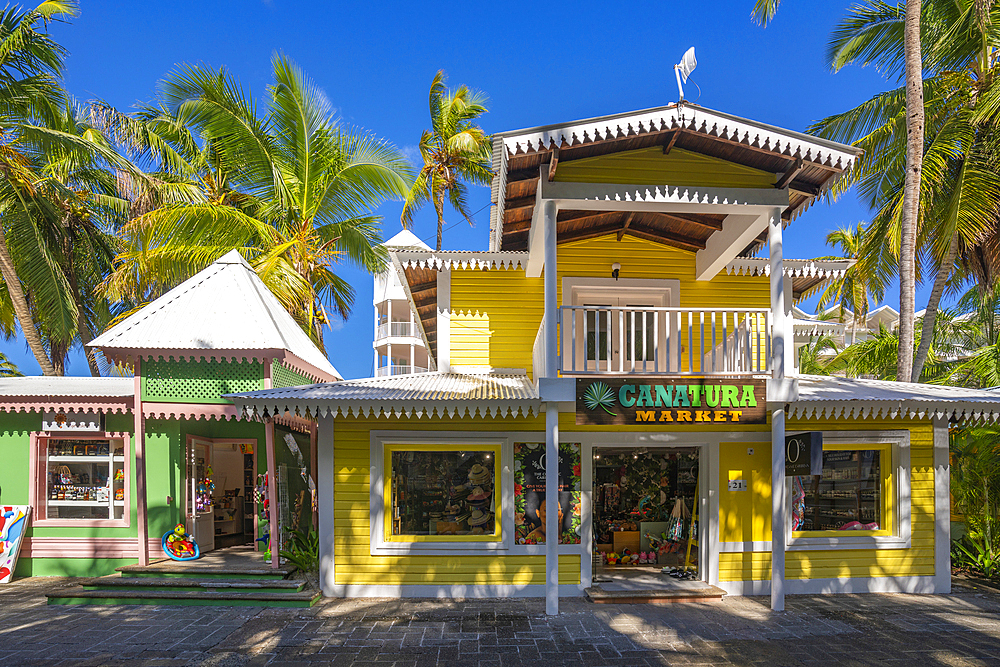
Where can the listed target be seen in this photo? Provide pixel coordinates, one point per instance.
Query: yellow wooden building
(630, 320)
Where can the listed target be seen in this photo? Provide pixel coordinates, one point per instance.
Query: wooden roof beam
(628, 221)
(670, 142)
(792, 172)
(665, 238)
(553, 163)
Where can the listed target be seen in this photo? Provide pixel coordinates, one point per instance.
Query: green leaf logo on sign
(599, 395)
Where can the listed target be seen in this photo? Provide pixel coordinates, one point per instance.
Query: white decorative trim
(942, 509)
(682, 116)
(900, 462)
(663, 197)
(443, 260)
(859, 409)
(450, 592)
(793, 268)
(914, 584)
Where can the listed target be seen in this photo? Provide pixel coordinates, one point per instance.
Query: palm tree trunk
(21, 310)
(930, 315)
(439, 208)
(911, 188)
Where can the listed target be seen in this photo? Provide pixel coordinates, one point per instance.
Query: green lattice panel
(281, 376)
(198, 381)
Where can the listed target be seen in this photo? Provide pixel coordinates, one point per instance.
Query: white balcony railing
(395, 329)
(384, 371)
(672, 341)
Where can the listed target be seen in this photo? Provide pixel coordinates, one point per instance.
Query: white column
(325, 475)
(549, 212)
(412, 356)
(551, 509)
(388, 346)
(778, 330)
(942, 509)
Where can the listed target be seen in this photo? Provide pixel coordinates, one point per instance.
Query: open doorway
(646, 523)
(219, 493)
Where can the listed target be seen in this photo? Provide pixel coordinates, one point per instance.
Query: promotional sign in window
(671, 401)
(530, 504)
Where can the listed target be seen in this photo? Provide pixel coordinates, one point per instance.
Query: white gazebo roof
(406, 240)
(224, 308)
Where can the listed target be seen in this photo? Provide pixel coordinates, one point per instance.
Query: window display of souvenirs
(847, 496)
(443, 492)
(85, 479)
(530, 505)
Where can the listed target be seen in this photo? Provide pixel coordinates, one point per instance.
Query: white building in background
(399, 349)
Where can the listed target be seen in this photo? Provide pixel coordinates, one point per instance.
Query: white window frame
(900, 462)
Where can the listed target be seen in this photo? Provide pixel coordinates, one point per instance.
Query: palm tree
(959, 185)
(8, 368)
(818, 356)
(860, 282)
(453, 149)
(292, 190)
(911, 189)
(764, 11)
(30, 62)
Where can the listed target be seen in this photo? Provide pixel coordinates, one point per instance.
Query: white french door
(617, 333)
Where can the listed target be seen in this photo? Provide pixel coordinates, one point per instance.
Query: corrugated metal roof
(821, 396)
(224, 307)
(67, 386)
(424, 393)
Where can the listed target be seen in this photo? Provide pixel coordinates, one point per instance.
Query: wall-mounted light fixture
(615, 269)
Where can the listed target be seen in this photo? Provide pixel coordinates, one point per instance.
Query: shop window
(82, 480)
(530, 505)
(442, 493)
(850, 495)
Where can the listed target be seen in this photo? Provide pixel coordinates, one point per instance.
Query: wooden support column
(142, 516)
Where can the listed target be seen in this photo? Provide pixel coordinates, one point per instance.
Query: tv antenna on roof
(684, 69)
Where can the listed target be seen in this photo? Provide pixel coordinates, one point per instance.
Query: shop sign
(72, 421)
(671, 401)
(804, 454)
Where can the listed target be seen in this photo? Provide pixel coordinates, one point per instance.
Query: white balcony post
(778, 501)
(549, 212)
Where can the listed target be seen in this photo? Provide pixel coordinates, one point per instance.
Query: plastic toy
(179, 545)
(613, 558)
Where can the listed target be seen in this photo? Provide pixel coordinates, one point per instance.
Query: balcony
(606, 340)
(395, 330)
(385, 371)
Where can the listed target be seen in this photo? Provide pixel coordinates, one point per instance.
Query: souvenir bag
(798, 504)
(675, 529)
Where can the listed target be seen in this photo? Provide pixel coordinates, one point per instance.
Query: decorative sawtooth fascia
(428, 409)
(456, 259)
(892, 410)
(685, 117)
(191, 411)
(692, 118)
(794, 268)
(816, 327)
(67, 405)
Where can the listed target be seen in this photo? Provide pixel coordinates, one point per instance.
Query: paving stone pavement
(962, 629)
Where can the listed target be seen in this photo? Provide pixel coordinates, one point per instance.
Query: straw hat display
(479, 494)
(479, 475)
(478, 517)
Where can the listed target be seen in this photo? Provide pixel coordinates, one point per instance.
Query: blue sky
(538, 62)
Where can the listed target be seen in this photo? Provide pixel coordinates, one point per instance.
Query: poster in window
(530, 506)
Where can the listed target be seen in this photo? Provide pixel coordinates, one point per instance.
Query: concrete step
(192, 583)
(145, 596)
(170, 569)
(699, 593)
